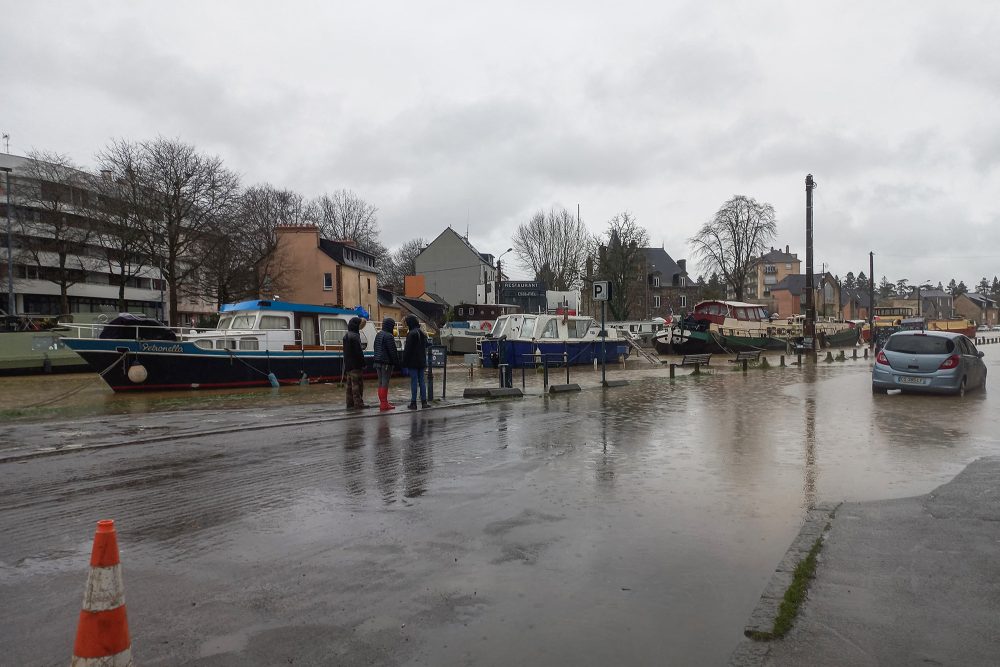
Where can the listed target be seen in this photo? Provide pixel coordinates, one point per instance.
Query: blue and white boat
(256, 343)
(521, 340)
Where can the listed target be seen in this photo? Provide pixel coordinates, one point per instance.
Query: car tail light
(950, 362)
(880, 358)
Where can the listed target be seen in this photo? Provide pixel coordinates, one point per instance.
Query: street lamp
(499, 280)
(11, 303)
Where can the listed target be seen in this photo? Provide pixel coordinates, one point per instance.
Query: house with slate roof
(790, 296)
(452, 268)
(766, 272)
(979, 308)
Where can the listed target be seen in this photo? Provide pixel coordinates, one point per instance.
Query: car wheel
(878, 390)
(961, 388)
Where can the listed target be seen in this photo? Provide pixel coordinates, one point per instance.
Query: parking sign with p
(602, 290)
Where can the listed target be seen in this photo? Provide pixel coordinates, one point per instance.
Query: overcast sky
(458, 114)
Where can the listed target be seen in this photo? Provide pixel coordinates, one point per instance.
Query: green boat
(31, 345)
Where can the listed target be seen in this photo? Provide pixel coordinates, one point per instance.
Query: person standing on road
(354, 364)
(415, 360)
(386, 359)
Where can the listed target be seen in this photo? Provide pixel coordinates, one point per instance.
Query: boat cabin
(280, 325)
(542, 326)
(717, 312)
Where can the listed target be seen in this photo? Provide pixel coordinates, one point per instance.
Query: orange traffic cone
(102, 634)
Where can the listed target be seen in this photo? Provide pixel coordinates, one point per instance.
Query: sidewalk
(903, 582)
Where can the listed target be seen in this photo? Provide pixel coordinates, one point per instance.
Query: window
(788, 265)
(369, 285)
(656, 281)
(274, 322)
(328, 281)
(684, 301)
(656, 301)
(333, 330)
(460, 309)
(249, 344)
(551, 329)
(684, 281)
(243, 322)
(770, 268)
(528, 327)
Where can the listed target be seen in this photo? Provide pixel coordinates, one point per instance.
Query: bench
(805, 346)
(696, 360)
(746, 357)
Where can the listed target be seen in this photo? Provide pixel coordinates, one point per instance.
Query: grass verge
(794, 596)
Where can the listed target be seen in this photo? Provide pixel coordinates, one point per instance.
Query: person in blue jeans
(415, 360)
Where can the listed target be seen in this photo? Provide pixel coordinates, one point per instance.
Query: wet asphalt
(635, 525)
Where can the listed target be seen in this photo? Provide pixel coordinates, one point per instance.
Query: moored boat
(521, 340)
(32, 345)
(735, 326)
(256, 343)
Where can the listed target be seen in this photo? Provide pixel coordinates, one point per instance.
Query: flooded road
(635, 525)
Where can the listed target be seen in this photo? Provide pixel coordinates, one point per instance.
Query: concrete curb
(563, 388)
(754, 652)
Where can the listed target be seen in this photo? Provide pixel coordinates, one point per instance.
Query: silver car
(928, 361)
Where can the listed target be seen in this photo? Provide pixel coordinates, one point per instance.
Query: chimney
(683, 264)
(787, 249)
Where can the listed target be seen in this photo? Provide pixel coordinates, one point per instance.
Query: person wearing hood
(386, 359)
(354, 364)
(415, 360)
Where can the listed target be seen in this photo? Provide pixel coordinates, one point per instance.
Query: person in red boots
(386, 360)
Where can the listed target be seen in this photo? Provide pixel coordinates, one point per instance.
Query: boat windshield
(500, 329)
(224, 322)
(579, 328)
(243, 321)
(528, 328)
(551, 329)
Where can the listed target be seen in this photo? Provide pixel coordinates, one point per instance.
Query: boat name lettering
(159, 347)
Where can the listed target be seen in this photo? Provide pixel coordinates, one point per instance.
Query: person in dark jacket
(354, 364)
(415, 360)
(386, 359)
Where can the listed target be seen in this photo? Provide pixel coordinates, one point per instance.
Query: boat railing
(217, 339)
(94, 329)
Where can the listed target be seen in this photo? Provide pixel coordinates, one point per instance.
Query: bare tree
(344, 216)
(731, 241)
(191, 196)
(401, 264)
(123, 212)
(54, 220)
(620, 262)
(262, 209)
(554, 246)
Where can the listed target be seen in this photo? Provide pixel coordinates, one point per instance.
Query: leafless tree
(554, 247)
(53, 214)
(345, 216)
(734, 238)
(621, 262)
(123, 213)
(401, 264)
(191, 198)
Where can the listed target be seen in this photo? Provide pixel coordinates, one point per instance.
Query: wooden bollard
(744, 365)
(799, 358)
(866, 353)
(672, 367)
(855, 353)
(782, 360)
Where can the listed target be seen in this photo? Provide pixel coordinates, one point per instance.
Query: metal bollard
(545, 373)
(799, 356)
(566, 363)
(866, 353)
(672, 367)
(744, 365)
(782, 360)
(522, 377)
(855, 353)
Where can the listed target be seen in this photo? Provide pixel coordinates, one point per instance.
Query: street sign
(438, 356)
(602, 290)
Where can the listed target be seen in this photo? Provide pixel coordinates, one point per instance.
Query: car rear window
(920, 345)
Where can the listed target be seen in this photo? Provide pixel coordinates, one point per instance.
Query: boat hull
(183, 365)
(37, 352)
(685, 341)
(522, 354)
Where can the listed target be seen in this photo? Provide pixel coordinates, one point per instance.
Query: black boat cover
(125, 327)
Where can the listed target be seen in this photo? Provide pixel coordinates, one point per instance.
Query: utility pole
(11, 301)
(871, 299)
(809, 330)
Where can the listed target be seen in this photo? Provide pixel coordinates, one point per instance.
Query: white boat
(524, 339)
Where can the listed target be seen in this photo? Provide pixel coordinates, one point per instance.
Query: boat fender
(273, 379)
(137, 373)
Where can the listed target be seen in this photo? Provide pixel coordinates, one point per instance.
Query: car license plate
(905, 379)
